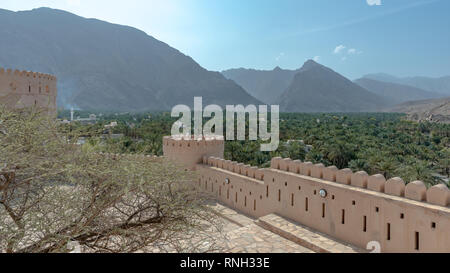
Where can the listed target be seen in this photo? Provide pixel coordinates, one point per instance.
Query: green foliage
(375, 142)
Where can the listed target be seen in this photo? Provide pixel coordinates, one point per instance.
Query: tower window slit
(343, 217)
(417, 241)
(388, 232)
(365, 224)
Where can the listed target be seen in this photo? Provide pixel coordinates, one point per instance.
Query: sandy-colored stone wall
(190, 152)
(23, 89)
(358, 209)
(353, 207)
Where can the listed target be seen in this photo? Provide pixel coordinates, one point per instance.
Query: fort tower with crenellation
(25, 89)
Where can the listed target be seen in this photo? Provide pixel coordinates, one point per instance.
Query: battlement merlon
(189, 151)
(25, 73)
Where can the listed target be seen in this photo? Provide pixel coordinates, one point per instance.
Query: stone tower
(23, 89)
(190, 152)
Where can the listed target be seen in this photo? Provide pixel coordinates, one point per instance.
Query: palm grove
(378, 143)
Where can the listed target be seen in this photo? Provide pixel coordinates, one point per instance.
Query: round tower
(190, 151)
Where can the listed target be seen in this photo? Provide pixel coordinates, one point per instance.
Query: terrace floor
(274, 234)
(269, 234)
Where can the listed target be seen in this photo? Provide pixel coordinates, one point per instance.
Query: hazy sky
(354, 37)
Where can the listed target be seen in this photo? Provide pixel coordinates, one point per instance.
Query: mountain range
(396, 93)
(267, 85)
(316, 88)
(437, 85)
(105, 66)
(436, 110)
(311, 88)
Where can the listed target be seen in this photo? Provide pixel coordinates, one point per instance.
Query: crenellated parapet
(235, 167)
(350, 206)
(415, 190)
(27, 74)
(24, 89)
(190, 151)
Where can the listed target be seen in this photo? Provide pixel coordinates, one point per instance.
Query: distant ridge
(436, 110)
(265, 85)
(396, 93)
(105, 66)
(437, 85)
(316, 88)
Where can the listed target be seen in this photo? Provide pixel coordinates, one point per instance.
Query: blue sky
(353, 37)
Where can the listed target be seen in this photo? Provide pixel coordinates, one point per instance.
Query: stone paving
(250, 238)
(254, 239)
(316, 241)
(269, 234)
(275, 234)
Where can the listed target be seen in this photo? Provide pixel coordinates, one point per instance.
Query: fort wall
(23, 89)
(353, 207)
(190, 152)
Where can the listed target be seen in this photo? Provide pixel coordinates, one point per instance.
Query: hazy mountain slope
(436, 110)
(106, 66)
(316, 88)
(437, 85)
(265, 85)
(396, 93)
